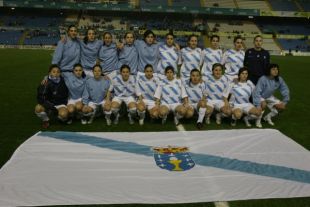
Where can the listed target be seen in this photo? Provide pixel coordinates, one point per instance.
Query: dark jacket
(52, 94)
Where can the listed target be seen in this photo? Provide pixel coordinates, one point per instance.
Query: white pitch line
(181, 128)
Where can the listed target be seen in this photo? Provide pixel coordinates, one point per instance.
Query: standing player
(210, 56)
(89, 51)
(146, 85)
(265, 88)
(96, 96)
(52, 97)
(233, 59)
(217, 91)
(67, 53)
(168, 55)
(76, 84)
(190, 57)
(147, 50)
(240, 100)
(124, 91)
(257, 60)
(108, 56)
(197, 101)
(172, 96)
(128, 54)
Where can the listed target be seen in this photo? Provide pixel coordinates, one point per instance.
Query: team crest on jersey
(173, 158)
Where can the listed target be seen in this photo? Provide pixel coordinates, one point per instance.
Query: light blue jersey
(67, 54)
(75, 86)
(89, 53)
(108, 58)
(266, 87)
(95, 90)
(168, 56)
(233, 61)
(190, 59)
(146, 87)
(209, 57)
(241, 92)
(148, 54)
(128, 56)
(170, 92)
(216, 89)
(194, 92)
(123, 88)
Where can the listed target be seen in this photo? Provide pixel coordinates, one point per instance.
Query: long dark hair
(85, 40)
(241, 70)
(273, 65)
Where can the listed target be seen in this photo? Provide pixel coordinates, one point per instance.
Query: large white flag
(66, 168)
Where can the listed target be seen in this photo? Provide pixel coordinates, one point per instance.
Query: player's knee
(39, 108)
(131, 105)
(79, 106)
(71, 108)
(237, 114)
(63, 113)
(115, 105)
(140, 107)
(209, 110)
(189, 113)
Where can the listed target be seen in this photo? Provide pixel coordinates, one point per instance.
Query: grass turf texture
(22, 70)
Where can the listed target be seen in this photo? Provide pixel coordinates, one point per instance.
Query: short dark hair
(195, 70)
(170, 34)
(148, 66)
(190, 37)
(123, 67)
(53, 66)
(214, 36)
(257, 37)
(217, 65)
(169, 67)
(241, 70)
(97, 65)
(70, 26)
(147, 33)
(77, 65)
(237, 38)
(274, 65)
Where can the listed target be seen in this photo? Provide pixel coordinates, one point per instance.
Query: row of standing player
(147, 92)
(138, 53)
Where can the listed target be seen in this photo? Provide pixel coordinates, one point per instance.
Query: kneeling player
(124, 91)
(96, 94)
(146, 85)
(172, 95)
(52, 97)
(240, 100)
(265, 88)
(197, 101)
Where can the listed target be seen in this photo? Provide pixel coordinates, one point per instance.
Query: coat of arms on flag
(173, 158)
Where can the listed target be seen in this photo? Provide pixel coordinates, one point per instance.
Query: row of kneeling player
(78, 96)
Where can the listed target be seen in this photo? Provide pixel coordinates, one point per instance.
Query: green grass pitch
(22, 70)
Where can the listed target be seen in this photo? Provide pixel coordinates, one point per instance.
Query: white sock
(132, 112)
(43, 116)
(179, 116)
(201, 114)
(259, 118)
(115, 111)
(107, 114)
(141, 114)
(233, 117)
(223, 115)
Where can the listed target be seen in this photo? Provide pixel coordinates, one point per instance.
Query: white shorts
(74, 101)
(271, 101)
(245, 108)
(149, 103)
(216, 104)
(60, 106)
(171, 107)
(120, 100)
(95, 105)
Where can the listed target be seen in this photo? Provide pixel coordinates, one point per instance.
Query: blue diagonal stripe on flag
(276, 171)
